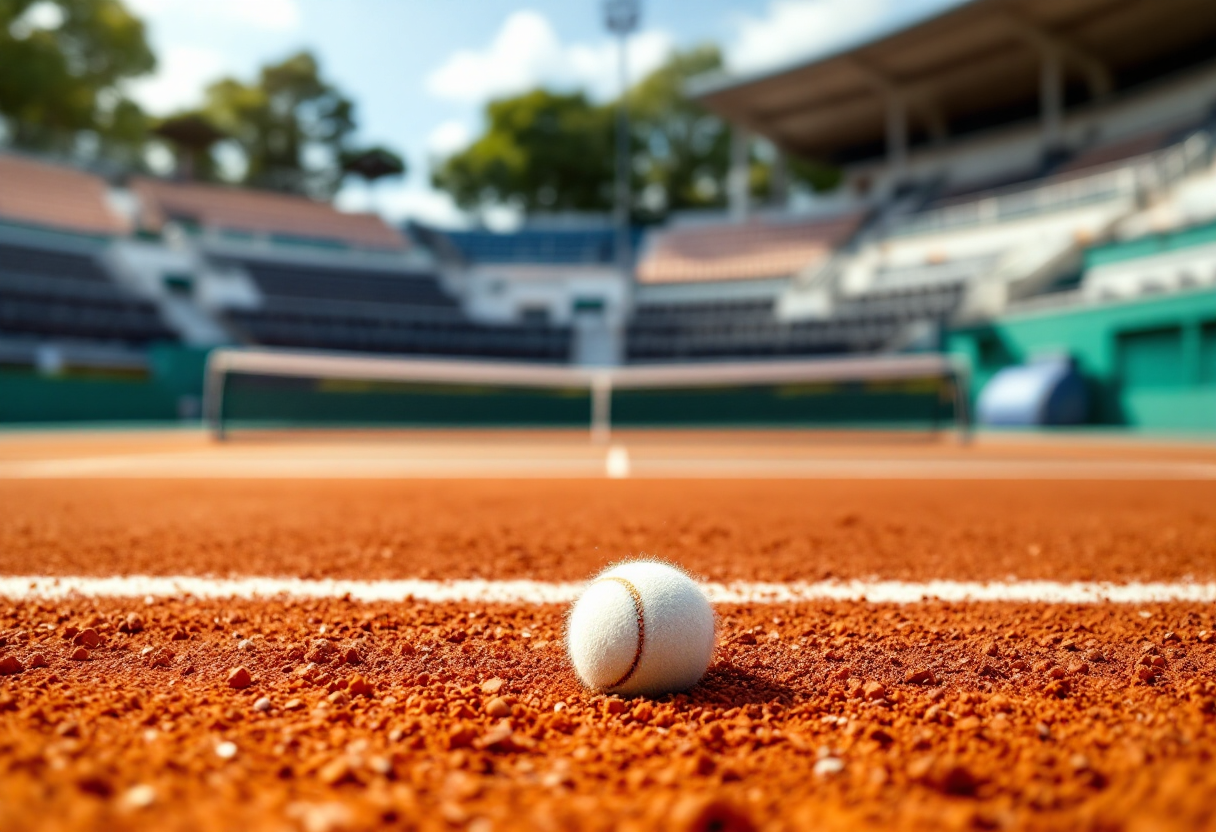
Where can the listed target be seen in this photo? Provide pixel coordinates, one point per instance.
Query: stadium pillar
(897, 137)
(779, 183)
(738, 180)
(1051, 98)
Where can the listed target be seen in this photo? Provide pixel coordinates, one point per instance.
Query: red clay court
(323, 708)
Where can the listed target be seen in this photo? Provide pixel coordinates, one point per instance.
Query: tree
(193, 136)
(61, 67)
(546, 151)
(682, 151)
(541, 151)
(373, 164)
(292, 126)
(815, 175)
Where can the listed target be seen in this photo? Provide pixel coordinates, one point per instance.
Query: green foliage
(373, 163)
(682, 151)
(192, 136)
(61, 63)
(542, 151)
(815, 175)
(545, 151)
(291, 125)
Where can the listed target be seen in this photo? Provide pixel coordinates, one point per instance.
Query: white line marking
(616, 464)
(548, 592)
(589, 462)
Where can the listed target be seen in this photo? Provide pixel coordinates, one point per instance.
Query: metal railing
(1131, 178)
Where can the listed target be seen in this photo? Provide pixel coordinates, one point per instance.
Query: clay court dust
(327, 715)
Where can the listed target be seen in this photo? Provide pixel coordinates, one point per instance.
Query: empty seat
(750, 328)
(376, 310)
(49, 293)
(758, 250)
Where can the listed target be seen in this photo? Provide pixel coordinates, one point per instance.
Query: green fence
(169, 389)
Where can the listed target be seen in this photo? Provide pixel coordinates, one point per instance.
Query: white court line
(591, 465)
(549, 592)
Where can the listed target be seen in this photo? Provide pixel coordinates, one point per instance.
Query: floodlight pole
(621, 18)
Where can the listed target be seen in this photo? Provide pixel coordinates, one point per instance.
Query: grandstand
(317, 278)
(92, 274)
(1004, 158)
(58, 301)
(1003, 161)
(373, 308)
(709, 290)
(217, 211)
(559, 272)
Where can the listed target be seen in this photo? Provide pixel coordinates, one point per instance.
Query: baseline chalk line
(552, 592)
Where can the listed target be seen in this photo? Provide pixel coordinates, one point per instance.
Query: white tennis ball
(641, 628)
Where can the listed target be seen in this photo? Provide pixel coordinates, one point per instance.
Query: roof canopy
(978, 65)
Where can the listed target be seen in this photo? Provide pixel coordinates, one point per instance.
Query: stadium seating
(42, 194)
(750, 328)
(1111, 153)
(377, 310)
(536, 246)
(1152, 264)
(61, 293)
(320, 278)
(52, 284)
(766, 248)
(280, 217)
(1022, 235)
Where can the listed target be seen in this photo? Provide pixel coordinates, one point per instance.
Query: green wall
(1151, 244)
(1150, 363)
(171, 388)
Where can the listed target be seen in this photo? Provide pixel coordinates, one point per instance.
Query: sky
(421, 71)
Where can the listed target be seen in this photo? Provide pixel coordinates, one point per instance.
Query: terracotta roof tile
(217, 206)
(45, 194)
(756, 250)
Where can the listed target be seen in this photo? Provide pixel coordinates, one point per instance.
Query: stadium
(296, 499)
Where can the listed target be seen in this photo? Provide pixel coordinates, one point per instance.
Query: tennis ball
(641, 628)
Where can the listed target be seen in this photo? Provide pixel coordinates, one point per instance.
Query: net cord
(601, 382)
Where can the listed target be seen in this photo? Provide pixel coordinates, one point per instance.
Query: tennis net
(278, 389)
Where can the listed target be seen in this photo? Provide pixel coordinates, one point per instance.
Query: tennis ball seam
(640, 611)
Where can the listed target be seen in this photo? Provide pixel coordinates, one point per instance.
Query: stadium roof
(53, 195)
(977, 65)
(259, 212)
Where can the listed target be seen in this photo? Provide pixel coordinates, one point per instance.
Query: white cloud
(264, 15)
(180, 78)
(41, 15)
(399, 201)
(792, 30)
(448, 138)
(526, 52)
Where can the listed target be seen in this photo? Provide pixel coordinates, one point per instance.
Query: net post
(962, 405)
(213, 393)
(601, 408)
